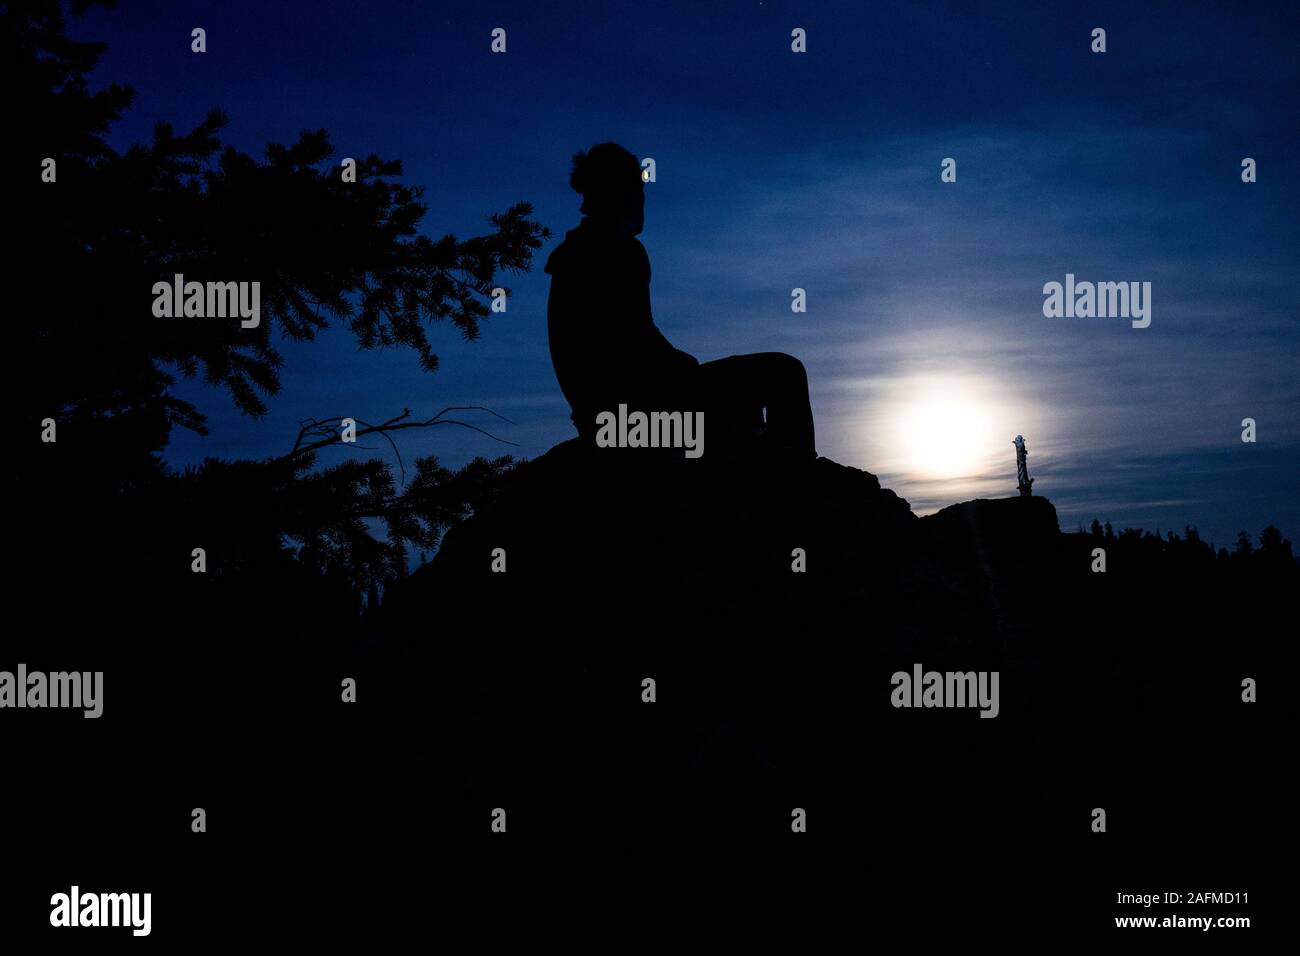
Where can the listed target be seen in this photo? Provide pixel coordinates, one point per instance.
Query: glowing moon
(946, 431)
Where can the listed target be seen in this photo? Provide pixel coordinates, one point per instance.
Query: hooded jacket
(605, 346)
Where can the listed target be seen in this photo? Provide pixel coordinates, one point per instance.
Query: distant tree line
(1272, 551)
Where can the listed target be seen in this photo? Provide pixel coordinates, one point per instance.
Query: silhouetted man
(607, 349)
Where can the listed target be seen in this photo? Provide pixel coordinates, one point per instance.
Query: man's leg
(742, 385)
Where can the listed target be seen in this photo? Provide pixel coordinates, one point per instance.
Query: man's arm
(672, 356)
(655, 343)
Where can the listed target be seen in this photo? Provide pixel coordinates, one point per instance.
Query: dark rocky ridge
(586, 531)
(643, 562)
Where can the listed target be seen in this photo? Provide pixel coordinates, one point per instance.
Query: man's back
(604, 344)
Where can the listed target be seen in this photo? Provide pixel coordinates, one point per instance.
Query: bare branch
(328, 429)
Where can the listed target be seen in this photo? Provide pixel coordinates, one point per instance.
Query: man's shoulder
(584, 251)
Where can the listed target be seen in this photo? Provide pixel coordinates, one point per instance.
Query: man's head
(613, 192)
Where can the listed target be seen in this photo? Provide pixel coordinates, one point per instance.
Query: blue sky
(924, 330)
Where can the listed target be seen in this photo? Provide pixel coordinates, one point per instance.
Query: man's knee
(786, 368)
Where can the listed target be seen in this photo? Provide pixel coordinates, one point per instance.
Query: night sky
(925, 340)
